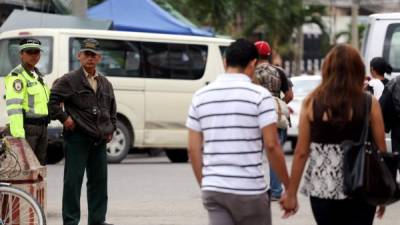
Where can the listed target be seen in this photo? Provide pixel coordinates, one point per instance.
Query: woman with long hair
(332, 113)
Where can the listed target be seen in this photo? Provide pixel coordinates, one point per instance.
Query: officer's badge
(18, 85)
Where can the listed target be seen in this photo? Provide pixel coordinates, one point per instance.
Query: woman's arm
(302, 151)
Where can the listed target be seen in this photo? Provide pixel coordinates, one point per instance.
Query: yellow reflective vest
(25, 94)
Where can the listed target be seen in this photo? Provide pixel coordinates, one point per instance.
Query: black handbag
(366, 171)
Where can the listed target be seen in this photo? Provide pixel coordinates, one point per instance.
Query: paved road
(152, 191)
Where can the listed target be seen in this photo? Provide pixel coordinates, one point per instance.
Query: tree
(213, 13)
(94, 2)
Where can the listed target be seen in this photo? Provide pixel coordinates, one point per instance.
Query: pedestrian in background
(378, 68)
(27, 97)
(89, 122)
(229, 121)
(274, 79)
(332, 113)
(390, 104)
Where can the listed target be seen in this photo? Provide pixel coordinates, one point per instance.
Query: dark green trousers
(84, 153)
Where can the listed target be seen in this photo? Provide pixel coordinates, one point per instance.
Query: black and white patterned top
(324, 175)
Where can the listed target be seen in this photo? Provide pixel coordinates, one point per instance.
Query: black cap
(30, 43)
(91, 45)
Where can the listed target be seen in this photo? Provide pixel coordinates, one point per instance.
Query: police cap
(30, 44)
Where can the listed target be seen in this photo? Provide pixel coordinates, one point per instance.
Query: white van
(382, 38)
(154, 77)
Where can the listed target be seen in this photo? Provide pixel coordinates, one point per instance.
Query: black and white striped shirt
(230, 113)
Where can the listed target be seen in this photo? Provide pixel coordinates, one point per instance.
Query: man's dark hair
(266, 57)
(240, 53)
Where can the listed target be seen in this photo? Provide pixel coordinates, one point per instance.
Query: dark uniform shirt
(93, 112)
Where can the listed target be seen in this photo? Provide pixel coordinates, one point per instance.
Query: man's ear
(250, 68)
(78, 56)
(253, 63)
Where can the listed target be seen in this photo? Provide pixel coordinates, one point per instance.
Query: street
(147, 190)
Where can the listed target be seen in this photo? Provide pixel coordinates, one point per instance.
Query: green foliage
(273, 20)
(94, 2)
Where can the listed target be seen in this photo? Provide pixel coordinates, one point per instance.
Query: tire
(293, 143)
(30, 211)
(55, 152)
(119, 146)
(177, 155)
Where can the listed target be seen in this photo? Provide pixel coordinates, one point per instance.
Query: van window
(9, 55)
(119, 58)
(174, 61)
(222, 50)
(391, 50)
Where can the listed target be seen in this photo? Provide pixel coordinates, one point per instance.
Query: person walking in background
(26, 100)
(390, 105)
(335, 107)
(379, 67)
(89, 122)
(274, 79)
(229, 121)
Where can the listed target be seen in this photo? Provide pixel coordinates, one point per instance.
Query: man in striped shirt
(230, 122)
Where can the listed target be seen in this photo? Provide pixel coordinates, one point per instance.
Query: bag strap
(279, 108)
(365, 130)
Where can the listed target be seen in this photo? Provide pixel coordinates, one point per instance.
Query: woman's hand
(289, 205)
(380, 211)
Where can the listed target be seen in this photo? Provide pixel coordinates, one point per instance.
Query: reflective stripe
(31, 103)
(12, 101)
(30, 84)
(11, 112)
(33, 115)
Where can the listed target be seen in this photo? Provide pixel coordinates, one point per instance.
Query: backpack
(268, 77)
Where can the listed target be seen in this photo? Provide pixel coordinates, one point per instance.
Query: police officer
(89, 121)
(26, 99)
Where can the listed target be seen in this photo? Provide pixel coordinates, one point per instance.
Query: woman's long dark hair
(341, 89)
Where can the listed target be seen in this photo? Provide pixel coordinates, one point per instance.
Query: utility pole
(354, 23)
(79, 7)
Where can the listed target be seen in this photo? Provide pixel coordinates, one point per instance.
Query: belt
(37, 121)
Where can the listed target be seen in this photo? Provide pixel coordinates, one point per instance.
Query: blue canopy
(142, 16)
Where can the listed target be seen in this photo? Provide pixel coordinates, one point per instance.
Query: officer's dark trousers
(36, 136)
(82, 152)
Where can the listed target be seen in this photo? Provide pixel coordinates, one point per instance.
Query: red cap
(263, 48)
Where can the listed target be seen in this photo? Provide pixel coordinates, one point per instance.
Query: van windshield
(9, 55)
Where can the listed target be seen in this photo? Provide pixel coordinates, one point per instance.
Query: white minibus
(154, 77)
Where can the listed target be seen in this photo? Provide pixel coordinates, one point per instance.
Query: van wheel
(119, 146)
(177, 155)
(55, 152)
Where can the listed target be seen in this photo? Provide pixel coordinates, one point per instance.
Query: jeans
(275, 183)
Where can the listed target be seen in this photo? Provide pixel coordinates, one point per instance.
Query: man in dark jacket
(390, 105)
(89, 118)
